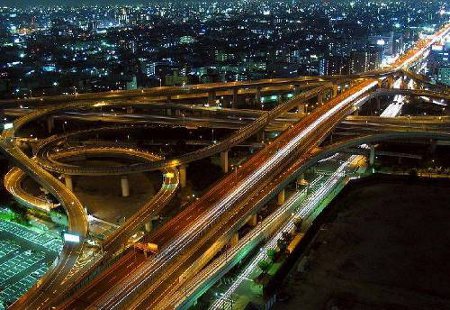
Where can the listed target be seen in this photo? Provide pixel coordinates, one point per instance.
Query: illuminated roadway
(239, 136)
(150, 268)
(200, 213)
(13, 183)
(119, 237)
(223, 200)
(56, 278)
(52, 283)
(177, 93)
(254, 172)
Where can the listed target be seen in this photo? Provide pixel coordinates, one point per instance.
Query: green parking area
(25, 254)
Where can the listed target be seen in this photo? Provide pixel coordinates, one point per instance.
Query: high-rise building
(334, 65)
(362, 61)
(385, 42)
(443, 75)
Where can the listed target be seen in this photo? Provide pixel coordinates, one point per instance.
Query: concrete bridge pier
(390, 81)
(168, 112)
(183, 177)
(335, 90)
(378, 103)
(224, 161)
(372, 155)
(211, 97)
(281, 198)
(148, 226)
(69, 182)
(296, 89)
(301, 108)
(130, 110)
(125, 186)
(433, 144)
(260, 136)
(301, 180)
(258, 96)
(50, 124)
(320, 99)
(234, 101)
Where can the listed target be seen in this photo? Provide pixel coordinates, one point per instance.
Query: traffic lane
(163, 287)
(100, 285)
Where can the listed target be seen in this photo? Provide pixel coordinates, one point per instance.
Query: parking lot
(25, 254)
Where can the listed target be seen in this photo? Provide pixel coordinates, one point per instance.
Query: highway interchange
(222, 209)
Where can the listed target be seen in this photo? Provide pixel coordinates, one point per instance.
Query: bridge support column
(224, 161)
(125, 186)
(335, 90)
(301, 180)
(69, 182)
(50, 124)
(130, 110)
(378, 103)
(169, 99)
(253, 220)
(296, 89)
(281, 198)
(390, 82)
(301, 109)
(169, 112)
(234, 239)
(211, 97)
(178, 112)
(258, 96)
(234, 101)
(148, 226)
(372, 155)
(433, 143)
(183, 178)
(320, 99)
(260, 136)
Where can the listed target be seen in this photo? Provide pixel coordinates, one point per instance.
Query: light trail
(396, 106)
(112, 300)
(309, 205)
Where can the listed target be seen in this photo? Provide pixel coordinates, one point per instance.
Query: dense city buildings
(67, 50)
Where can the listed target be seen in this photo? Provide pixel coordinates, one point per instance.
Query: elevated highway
(210, 207)
(220, 203)
(355, 125)
(239, 136)
(13, 182)
(180, 293)
(65, 267)
(56, 279)
(129, 287)
(118, 239)
(181, 239)
(188, 92)
(232, 120)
